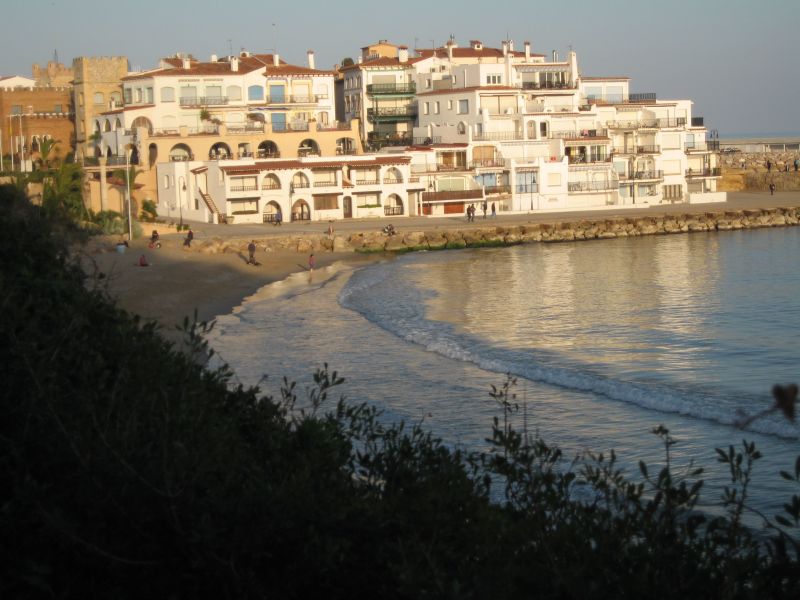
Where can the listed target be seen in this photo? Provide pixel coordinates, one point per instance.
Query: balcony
(579, 135)
(391, 211)
(487, 162)
(377, 142)
(592, 186)
(322, 184)
(642, 97)
(697, 121)
(697, 173)
(637, 150)
(452, 195)
(672, 123)
(392, 181)
(707, 146)
(587, 160)
(204, 101)
(288, 127)
(370, 181)
(426, 141)
(546, 85)
(634, 124)
(644, 175)
(245, 129)
(376, 89)
(450, 167)
(497, 136)
(295, 99)
(392, 114)
(244, 187)
(527, 188)
(497, 189)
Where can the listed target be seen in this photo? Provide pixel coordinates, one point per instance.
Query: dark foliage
(130, 471)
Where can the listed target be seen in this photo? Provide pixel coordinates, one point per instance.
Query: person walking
(769, 166)
(330, 230)
(188, 240)
(494, 211)
(771, 189)
(484, 206)
(796, 164)
(251, 252)
(278, 217)
(312, 262)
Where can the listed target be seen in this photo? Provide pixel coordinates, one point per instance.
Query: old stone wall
(437, 239)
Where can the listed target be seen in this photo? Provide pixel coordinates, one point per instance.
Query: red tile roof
(279, 165)
(383, 61)
(247, 64)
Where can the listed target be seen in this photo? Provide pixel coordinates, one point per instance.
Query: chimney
(361, 59)
(450, 50)
(527, 52)
(505, 47)
(234, 64)
(555, 56)
(510, 45)
(402, 54)
(214, 58)
(310, 55)
(276, 60)
(186, 63)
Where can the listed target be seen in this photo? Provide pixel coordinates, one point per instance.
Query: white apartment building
(299, 189)
(537, 135)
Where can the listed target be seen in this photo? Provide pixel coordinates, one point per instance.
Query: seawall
(583, 229)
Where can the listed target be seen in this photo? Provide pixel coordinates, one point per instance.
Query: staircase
(212, 207)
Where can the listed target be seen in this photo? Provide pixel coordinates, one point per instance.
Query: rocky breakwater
(756, 170)
(482, 237)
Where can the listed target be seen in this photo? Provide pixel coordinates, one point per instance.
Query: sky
(738, 60)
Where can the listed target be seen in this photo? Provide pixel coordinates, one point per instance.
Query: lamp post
(128, 192)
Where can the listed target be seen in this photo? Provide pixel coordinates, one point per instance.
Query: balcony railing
(497, 189)
(527, 188)
(642, 97)
(246, 128)
(426, 141)
(265, 154)
(497, 136)
(367, 182)
(297, 185)
(321, 184)
(391, 211)
(546, 85)
(668, 123)
(452, 195)
(592, 186)
(377, 142)
(587, 160)
(245, 187)
(392, 88)
(487, 162)
(285, 127)
(296, 99)
(181, 157)
(392, 181)
(333, 126)
(204, 101)
(697, 121)
(707, 146)
(270, 185)
(392, 112)
(579, 135)
(450, 167)
(657, 174)
(715, 172)
(648, 149)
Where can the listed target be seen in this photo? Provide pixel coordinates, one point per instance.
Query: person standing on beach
(312, 262)
(769, 166)
(796, 164)
(494, 211)
(330, 230)
(771, 189)
(484, 206)
(189, 237)
(251, 251)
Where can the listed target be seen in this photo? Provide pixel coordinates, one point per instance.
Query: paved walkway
(736, 201)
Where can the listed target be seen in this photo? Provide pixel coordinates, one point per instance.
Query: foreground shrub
(130, 471)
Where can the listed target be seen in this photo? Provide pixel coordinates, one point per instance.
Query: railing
(658, 174)
(715, 172)
(636, 150)
(487, 162)
(666, 123)
(367, 182)
(697, 121)
(91, 161)
(642, 97)
(204, 101)
(265, 154)
(208, 129)
(579, 135)
(592, 186)
(116, 160)
(707, 146)
(301, 216)
(335, 127)
(392, 181)
(392, 111)
(446, 167)
(244, 154)
(547, 85)
(270, 217)
(325, 184)
(527, 188)
(297, 185)
(452, 195)
(391, 211)
(165, 132)
(284, 127)
(585, 160)
(296, 99)
(497, 189)
(497, 136)
(270, 185)
(181, 157)
(380, 142)
(246, 128)
(426, 141)
(632, 124)
(248, 187)
(392, 88)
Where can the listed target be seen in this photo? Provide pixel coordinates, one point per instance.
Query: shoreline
(213, 277)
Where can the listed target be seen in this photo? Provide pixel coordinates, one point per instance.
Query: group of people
(484, 206)
(785, 166)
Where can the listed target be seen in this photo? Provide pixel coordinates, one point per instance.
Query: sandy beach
(179, 282)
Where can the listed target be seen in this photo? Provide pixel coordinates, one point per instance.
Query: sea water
(607, 339)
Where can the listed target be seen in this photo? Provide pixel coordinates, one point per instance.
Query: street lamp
(128, 192)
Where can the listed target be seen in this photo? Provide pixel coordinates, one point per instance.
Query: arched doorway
(393, 206)
(142, 122)
(268, 149)
(301, 211)
(180, 152)
(271, 211)
(308, 147)
(299, 181)
(219, 151)
(152, 155)
(271, 182)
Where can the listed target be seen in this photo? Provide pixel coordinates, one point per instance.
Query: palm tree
(46, 146)
(129, 182)
(63, 192)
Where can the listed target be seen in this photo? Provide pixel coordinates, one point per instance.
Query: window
(166, 182)
(449, 105)
(138, 95)
(16, 109)
(428, 83)
(455, 80)
(126, 92)
(58, 108)
(673, 192)
(214, 91)
(188, 91)
(98, 98)
(526, 182)
(234, 92)
(463, 107)
(326, 202)
(148, 95)
(493, 79)
(255, 92)
(425, 108)
(436, 108)
(116, 98)
(168, 94)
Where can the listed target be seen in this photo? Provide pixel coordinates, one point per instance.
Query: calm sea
(607, 339)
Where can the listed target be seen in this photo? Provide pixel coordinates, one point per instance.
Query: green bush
(131, 471)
